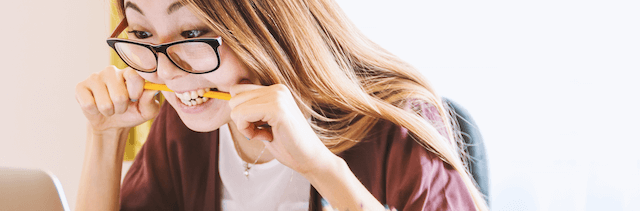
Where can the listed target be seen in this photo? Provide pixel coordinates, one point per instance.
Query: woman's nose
(167, 70)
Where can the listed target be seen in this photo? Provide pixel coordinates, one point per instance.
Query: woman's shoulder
(396, 168)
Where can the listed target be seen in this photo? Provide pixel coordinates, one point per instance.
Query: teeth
(193, 98)
(194, 95)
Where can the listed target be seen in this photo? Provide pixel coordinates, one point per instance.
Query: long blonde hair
(345, 81)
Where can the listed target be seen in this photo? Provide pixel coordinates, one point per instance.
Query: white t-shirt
(270, 186)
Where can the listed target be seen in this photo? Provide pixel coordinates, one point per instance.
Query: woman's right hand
(114, 99)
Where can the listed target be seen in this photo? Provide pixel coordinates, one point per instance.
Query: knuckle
(105, 108)
(129, 71)
(88, 106)
(129, 75)
(111, 68)
(79, 86)
(233, 90)
(120, 99)
(94, 76)
(234, 115)
(280, 88)
(108, 71)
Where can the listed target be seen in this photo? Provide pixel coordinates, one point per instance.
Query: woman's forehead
(144, 7)
(160, 13)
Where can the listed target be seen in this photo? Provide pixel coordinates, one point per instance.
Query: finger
(148, 105)
(251, 119)
(263, 134)
(242, 86)
(117, 90)
(101, 96)
(255, 110)
(134, 83)
(241, 93)
(254, 132)
(85, 99)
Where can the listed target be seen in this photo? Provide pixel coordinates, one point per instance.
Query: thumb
(148, 104)
(264, 134)
(134, 83)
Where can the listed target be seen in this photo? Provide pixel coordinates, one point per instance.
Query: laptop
(28, 189)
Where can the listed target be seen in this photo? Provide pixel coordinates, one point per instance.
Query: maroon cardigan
(177, 169)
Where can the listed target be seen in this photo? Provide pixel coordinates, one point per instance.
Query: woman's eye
(193, 33)
(140, 34)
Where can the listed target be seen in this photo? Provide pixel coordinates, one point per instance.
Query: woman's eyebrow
(133, 6)
(173, 7)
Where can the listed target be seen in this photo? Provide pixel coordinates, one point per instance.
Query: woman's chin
(202, 122)
(203, 119)
(201, 126)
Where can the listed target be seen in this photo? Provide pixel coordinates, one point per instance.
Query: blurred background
(553, 86)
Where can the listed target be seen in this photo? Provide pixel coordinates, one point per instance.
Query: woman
(349, 124)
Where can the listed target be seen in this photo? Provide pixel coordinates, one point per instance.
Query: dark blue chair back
(474, 146)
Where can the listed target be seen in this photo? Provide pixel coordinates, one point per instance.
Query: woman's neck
(249, 150)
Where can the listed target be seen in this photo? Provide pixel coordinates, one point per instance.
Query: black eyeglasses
(197, 56)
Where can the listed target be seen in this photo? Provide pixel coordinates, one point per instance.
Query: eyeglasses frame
(162, 48)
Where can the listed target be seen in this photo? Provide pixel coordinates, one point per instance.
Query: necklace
(246, 165)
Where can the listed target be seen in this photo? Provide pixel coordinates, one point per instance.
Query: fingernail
(248, 139)
(158, 92)
(134, 100)
(386, 207)
(324, 202)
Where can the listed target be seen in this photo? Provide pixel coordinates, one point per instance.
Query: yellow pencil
(209, 94)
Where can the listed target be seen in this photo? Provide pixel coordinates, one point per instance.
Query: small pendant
(246, 170)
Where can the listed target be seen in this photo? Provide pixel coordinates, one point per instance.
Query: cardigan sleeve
(401, 173)
(417, 179)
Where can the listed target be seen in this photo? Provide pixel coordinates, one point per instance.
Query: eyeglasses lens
(194, 56)
(138, 57)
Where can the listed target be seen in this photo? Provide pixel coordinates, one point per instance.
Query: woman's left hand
(290, 138)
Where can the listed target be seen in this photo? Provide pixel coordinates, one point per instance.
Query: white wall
(552, 85)
(48, 47)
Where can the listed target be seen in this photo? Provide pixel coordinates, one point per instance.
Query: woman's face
(162, 21)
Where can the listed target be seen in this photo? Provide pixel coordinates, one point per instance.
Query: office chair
(474, 146)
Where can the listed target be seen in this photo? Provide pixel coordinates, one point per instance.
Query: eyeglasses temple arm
(121, 26)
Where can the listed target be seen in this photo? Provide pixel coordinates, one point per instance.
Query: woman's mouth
(194, 97)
